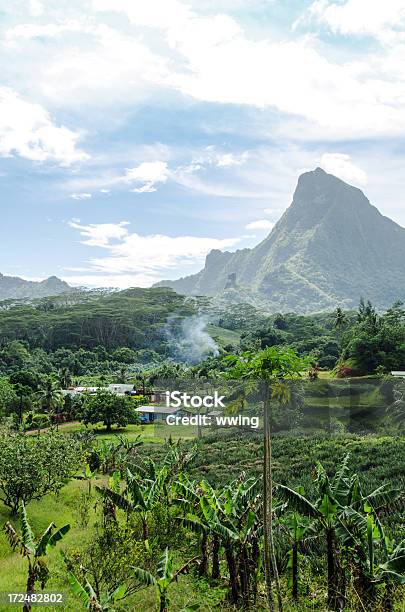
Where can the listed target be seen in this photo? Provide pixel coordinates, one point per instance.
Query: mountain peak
(13, 287)
(318, 191)
(315, 256)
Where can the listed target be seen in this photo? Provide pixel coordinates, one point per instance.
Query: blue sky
(137, 135)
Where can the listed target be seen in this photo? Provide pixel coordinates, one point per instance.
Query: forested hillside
(134, 317)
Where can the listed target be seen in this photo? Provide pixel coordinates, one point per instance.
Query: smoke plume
(189, 340)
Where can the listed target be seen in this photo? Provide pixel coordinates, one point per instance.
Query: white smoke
(189, 340)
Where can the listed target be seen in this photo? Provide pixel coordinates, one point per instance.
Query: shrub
(31, 467)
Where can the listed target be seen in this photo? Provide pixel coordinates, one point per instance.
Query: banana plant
(187, 496)
(298, 530)
(139, 496)
(231, 516)
(376, 558)
(89, 476)
(165, 576)
(89, 598)
(33, 550)
(334, 497)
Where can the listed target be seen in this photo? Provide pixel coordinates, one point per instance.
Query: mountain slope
(13, 287)
(330, 248)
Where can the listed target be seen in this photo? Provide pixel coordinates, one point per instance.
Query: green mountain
(13, 287)
(331, 247)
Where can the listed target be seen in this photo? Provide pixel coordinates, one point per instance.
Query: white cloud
(36, 8)
(222, 64)
(341, 165)
(81, 196)
(30, 31)
(84, 62)
(272, 211)
(171, 45)
(148, 173)
(227, 160)
(26, 129)
(152, 256)
(101, 234)
(380, 19)
(260, 224)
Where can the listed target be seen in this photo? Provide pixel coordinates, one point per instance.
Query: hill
(330, 248)
(13, 287)
(136, 318)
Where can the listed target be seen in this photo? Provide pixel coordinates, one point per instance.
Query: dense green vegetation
(149, 499)
(304, 512)
(134, 318)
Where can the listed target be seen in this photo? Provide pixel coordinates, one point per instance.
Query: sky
(137, 135)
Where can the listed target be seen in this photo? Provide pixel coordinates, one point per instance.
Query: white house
(121, 389)
(150, 414)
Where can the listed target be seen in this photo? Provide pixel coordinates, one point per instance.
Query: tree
(24, 394)
(267, 367)
(8, 397)
(297, 529)
(31, 467)
(34, 551)
(339, 318)
(375, 556)
(165, 576)
(110, 409)
(65, 377)
(124, 355)
(27, 378)
(16, 355)
(50, 397)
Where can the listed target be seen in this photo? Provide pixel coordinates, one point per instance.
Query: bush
(31, 467)
(37, 420)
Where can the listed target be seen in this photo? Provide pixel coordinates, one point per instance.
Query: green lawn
(61, 509)
(156, 434)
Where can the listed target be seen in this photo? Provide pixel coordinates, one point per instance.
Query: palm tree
(65, 378)
(340, 319)
(165, 576)
(34, 551)
(50, 397)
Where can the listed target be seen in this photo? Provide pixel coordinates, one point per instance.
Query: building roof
(398, 373)
(157, 410)
(121, 387)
